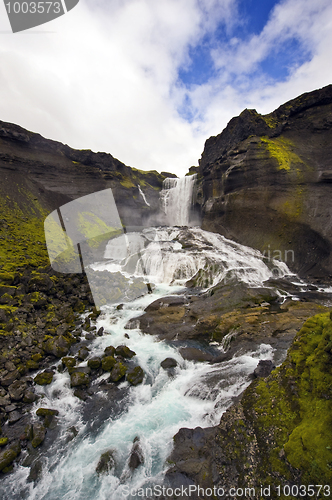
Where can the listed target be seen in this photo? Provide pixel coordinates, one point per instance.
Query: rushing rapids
(190, 395)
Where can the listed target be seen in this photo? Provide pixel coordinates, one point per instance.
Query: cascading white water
(196, 394)
(176, 199)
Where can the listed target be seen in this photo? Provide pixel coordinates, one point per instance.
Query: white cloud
(106, 78)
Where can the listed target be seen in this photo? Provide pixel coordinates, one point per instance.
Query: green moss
(282, 150)
(295, 405)
(3, 441)
(127, 183)
(95, 229)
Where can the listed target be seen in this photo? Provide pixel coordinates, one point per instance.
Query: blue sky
(149, 81)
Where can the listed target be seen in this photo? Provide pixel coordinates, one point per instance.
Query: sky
(150, 80)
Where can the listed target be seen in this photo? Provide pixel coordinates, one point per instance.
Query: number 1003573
(33, 7)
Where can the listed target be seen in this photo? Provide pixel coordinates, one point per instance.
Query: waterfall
(176, 199)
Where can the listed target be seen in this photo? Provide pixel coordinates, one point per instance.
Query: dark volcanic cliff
(53, 174)
(265, 181)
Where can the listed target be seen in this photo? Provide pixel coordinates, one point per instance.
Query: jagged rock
(135, 376)
(35, 471)
(83, 353)
(29, 396)
(8, 456)
(136, 455)
(9, 378)
(264, 368)
(16, 390)
(38, 433)
(58, 346)
(106, 463)
(14, 416)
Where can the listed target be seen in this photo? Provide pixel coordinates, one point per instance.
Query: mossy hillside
(292, 411)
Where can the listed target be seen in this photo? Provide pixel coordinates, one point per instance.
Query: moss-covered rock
(38, 434)
(44, 378)
(78, 379)
(58, 346)
(94, 363)
(135, 376)
(68, 362)
(125, 352)
(8, 456)
(109, 350)
(107, 363)
(3, 441)
(118, 372)
(106, 463)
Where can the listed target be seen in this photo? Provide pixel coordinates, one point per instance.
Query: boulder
(58, 346)
(107, 363)
(118, 372)
(68, 362)
(125, 352)
(38, 434)
(136, 456)
(83, 353)
(264, 368)
(8, 456)
(79, 378)
(109, 350)
(168, 363)
(94, 363)
(16, 390)
(106, 463)
(135, 376)
(44, 378)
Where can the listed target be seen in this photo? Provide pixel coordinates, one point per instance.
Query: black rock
(264, 368)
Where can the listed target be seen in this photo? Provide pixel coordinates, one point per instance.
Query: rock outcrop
(265, 181)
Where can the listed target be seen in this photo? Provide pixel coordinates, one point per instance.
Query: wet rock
(168, 363)
(107, 363)
(264, 368)
(38, 433)
(89, 336)
(58, 346)
(118, 372)
(136, 456)
(135, 376)
(109, 350)
(48, 415)
(94, 363)
(106, 463)
(79, 378)
(195, 354)
(72, 432)
(125, 352)
(44, 378)
(8, 456)
(81, 394)
(16, 390)
(100, 332)
(68, 362)
(29, 396)
(35, 471)
(83, 353)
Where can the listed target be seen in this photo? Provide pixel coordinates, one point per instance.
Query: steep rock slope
(265, 181)
(37, 169)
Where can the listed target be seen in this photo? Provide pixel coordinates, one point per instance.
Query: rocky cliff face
(37, 169)
(265, 181)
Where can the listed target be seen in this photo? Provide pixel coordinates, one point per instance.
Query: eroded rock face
(265, 181)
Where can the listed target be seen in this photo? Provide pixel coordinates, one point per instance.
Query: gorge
(213, 309)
